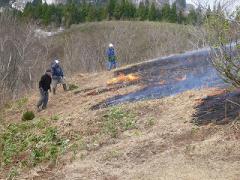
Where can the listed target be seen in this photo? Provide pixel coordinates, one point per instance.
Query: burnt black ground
(190, 70)
(218, 109)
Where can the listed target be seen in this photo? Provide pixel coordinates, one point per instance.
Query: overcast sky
(234, 4)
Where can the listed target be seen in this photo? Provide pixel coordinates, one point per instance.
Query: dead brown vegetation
(24, 56)
(21, 55)
(85, 45)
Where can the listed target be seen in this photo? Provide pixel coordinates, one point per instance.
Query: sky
(211, 2)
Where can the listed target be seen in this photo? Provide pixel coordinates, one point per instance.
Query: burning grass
(122, 78)
(183, 78)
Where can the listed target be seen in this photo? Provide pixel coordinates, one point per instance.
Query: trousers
(43, 99)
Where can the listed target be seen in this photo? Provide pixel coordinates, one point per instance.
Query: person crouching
(44, 87)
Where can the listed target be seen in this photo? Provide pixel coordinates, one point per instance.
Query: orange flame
(162, 82)
(183, 78)
(123, 78)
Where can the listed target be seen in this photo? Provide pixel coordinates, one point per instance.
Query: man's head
(110, 45)
(57, 61)
(49, 72)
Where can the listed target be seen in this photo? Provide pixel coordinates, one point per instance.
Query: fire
(123, 78)
(162, 82)
(183, 78)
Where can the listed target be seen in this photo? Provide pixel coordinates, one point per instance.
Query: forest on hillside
(75, 12)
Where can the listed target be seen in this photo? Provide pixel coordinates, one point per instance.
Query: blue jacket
(111, 54)
(57, 70)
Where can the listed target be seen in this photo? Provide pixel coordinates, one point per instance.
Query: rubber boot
(54, 90)
(64, 87)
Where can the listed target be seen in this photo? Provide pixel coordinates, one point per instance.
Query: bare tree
(222, 35)
(21, 56)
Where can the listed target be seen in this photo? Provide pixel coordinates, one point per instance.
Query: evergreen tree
(142, 12)
(129, 10)
(28, 10)
(37, 13)
(166, 12)
(152, 15)
(76, 11)
(101, 13)
(91, 15)
(45, 14)
(110, 8)
(82, 12)
(173, 14)
(118, 11)
(70, 14)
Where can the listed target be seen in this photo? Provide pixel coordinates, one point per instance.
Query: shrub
(72, 87)
(28, 115)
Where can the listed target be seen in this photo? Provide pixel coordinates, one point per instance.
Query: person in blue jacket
(57, 76)
(111, 57)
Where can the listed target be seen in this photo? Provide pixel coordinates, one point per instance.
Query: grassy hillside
(82, 49)
(85, 45)
(151, 139)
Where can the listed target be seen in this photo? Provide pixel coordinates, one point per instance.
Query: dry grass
(163, 144)
(85, 45)
(82, 48)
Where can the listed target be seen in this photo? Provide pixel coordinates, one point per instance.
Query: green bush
(28, 115)
(72, 87)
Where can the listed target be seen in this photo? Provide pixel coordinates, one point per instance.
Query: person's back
(111, 52)
(44, 86)
(45, 82)
(111, 57)
(57, 75)
(56, 70)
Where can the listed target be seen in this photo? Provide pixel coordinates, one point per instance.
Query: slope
(151, 139)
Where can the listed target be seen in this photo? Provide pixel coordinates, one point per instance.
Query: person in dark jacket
(44, 86)
(57, 76)
(111, 57)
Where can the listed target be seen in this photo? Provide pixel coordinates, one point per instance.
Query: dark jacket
(45, 82)
(56, 70)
